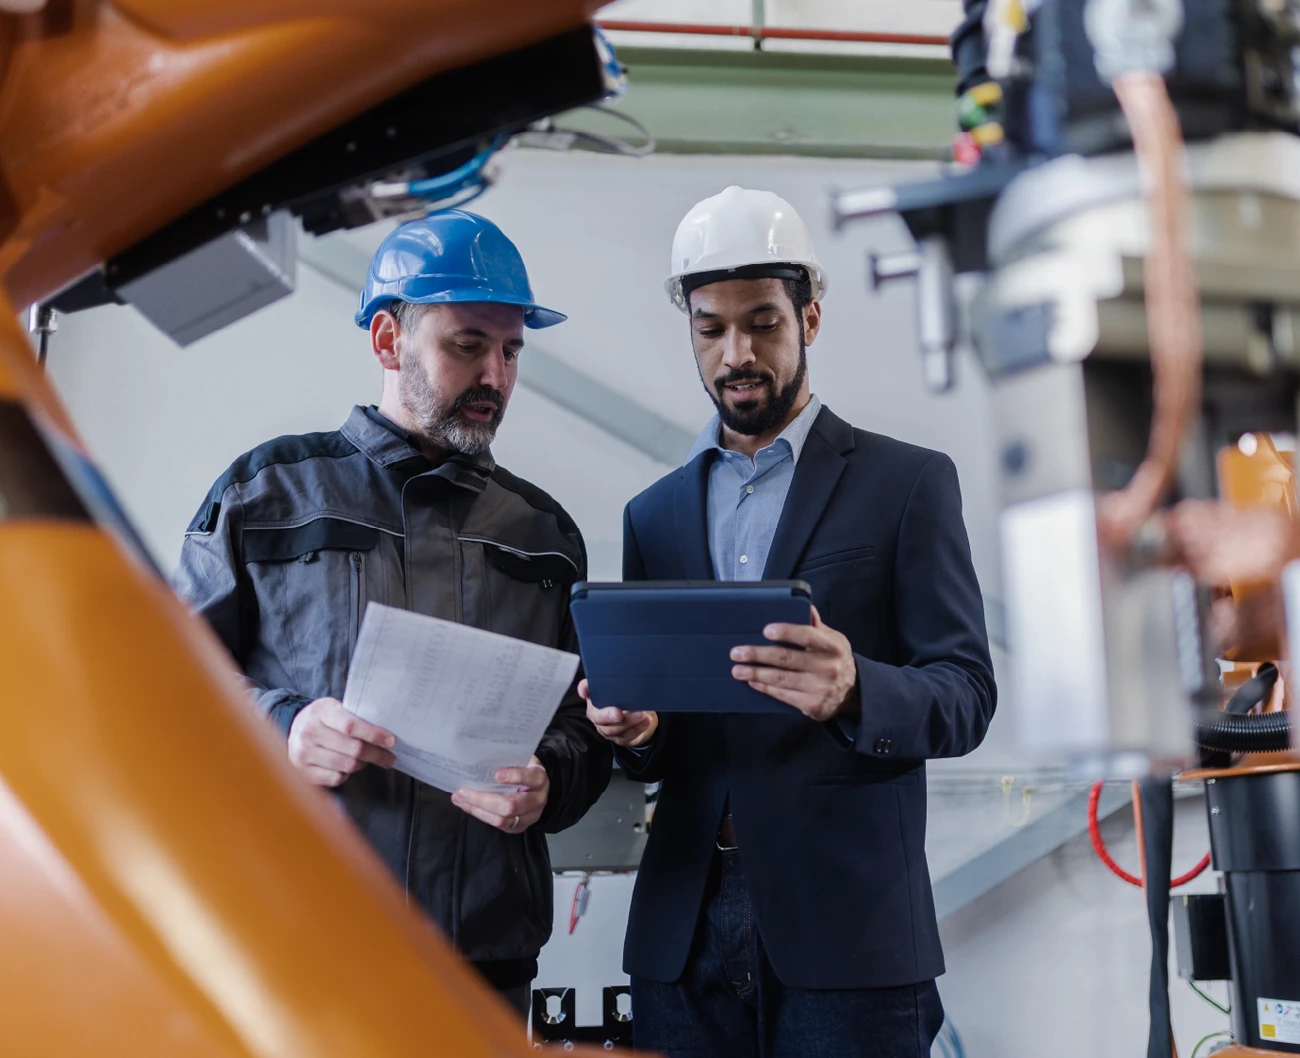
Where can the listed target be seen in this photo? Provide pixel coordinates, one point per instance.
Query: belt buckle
(717, 837)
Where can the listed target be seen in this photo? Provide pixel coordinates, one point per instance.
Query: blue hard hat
(450, 256)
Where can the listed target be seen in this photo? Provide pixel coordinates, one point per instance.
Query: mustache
(743, 374)
(480, 395)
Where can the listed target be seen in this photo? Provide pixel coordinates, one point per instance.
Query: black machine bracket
(432, 128)
(555, 1025)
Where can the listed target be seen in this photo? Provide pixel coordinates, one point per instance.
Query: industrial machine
(167, 885)
(1121, 250)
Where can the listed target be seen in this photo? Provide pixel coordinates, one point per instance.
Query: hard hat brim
(536, 317)
(816, 275)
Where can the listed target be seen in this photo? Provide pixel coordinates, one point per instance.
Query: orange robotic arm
(168, 886)
(116, 118)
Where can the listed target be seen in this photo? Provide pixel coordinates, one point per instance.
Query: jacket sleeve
(644, 763)
(577, 759)
(208, 579)
(939, 701)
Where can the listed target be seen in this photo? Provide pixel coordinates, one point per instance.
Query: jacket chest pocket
(519, 593)
(311, 586)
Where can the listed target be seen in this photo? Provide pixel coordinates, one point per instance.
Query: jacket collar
(818, 471)
(815, 478)
(388, 446)
(691, 506)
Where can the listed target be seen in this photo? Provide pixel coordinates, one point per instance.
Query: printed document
(460, 701)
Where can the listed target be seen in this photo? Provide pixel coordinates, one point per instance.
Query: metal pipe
(887, 267)
(42, 321)
(936, 312)
(771, 32)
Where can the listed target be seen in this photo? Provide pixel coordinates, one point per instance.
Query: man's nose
(737, 350)
(493, 370)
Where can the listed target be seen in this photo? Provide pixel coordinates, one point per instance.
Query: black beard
(762, 417)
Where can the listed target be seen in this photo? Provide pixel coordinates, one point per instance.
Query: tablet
(666, 645)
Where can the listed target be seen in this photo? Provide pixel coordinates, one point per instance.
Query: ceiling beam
(714, 101)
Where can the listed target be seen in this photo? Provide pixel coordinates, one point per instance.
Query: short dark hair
(798, 290)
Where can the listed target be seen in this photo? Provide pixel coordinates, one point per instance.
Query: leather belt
(726, 840)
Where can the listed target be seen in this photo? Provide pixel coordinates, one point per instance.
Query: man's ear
(384, 331)
(812, 321)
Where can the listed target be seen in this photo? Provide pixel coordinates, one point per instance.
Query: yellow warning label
(1279, 1020)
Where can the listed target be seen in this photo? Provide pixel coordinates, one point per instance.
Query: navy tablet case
(666, 645)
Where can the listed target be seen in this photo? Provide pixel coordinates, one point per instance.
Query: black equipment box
(1201, 936)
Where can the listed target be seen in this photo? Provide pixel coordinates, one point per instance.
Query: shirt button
(749, 490)
(744, 559)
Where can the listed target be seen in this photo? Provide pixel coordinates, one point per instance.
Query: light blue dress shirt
(746, 496)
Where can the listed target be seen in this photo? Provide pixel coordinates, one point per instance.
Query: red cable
(1099, 847)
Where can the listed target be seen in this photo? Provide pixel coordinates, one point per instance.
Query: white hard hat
(741, 229)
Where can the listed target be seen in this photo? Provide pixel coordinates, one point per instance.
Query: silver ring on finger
(514, 824)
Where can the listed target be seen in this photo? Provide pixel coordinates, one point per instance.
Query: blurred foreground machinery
(167, 885)
(1121, 249)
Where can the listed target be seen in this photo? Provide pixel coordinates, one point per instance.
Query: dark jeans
(520, 998)
(729, 1004)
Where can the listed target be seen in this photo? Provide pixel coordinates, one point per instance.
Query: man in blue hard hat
(404, 505)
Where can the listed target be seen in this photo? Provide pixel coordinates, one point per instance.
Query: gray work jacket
(288, 548)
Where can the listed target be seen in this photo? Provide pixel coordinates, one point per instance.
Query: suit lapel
(691, 504)
(817, 473)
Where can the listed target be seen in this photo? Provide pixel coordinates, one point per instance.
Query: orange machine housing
(168, 886)
(1255, 474)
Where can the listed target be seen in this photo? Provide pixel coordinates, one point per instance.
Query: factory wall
(1055, 960)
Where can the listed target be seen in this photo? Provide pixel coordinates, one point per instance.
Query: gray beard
(439, 420)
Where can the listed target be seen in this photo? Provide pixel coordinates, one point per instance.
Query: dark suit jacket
(831, 830)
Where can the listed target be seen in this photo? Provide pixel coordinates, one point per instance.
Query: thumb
(817, 619)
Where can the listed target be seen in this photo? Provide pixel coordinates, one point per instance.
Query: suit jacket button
(883, 746)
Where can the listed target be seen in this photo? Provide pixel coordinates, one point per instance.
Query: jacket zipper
(333, 516)
(517, 552)
(410, 840)
(358, 594)
(457, 865)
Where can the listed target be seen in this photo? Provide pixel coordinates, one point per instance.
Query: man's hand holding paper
(327, 743)
(466, 708)
(512, 812)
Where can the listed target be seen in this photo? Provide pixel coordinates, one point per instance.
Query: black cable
(1254, 691)
(1253, 733)
(1157, 799)
(1237, 730)
(969, 47)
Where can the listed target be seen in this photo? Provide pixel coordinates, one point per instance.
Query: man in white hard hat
(783, 905)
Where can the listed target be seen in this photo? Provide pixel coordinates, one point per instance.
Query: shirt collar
(794, 435)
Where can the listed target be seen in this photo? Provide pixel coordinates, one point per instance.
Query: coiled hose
(1251, 733)
(1236, 730)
